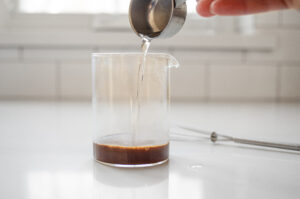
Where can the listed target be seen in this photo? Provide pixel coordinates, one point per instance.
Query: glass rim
(128, 53)
(173, 61)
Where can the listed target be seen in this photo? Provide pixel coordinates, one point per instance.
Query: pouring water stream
(137, 104)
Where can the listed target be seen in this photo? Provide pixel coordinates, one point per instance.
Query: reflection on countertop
(114, 183)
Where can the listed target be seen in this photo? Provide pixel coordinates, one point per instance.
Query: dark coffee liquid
(131, 155)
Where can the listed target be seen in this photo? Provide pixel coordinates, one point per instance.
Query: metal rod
(194, 130)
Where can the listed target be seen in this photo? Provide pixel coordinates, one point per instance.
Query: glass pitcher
(131, 128)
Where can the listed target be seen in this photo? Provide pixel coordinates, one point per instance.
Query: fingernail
(211, 8)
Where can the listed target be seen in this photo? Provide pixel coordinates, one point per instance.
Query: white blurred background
(46, 45)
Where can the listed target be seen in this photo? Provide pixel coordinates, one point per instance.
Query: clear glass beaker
(131, 129)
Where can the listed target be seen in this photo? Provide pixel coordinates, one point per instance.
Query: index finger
(242, 7)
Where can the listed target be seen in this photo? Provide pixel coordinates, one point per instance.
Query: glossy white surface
(46, 152)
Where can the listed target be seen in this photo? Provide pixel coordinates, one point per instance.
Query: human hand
(208, 8)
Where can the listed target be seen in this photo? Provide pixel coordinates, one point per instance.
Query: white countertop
(46, 152)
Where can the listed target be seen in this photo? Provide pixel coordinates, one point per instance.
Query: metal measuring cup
(157, 18)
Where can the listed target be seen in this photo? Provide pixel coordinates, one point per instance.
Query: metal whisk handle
(214, 138)
(268, 144)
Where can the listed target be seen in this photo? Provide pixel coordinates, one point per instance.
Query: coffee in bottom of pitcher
(131, 155)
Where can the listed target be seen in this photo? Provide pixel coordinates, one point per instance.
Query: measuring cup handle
(179, 3)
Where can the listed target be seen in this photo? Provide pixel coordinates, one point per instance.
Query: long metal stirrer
(214, 137)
